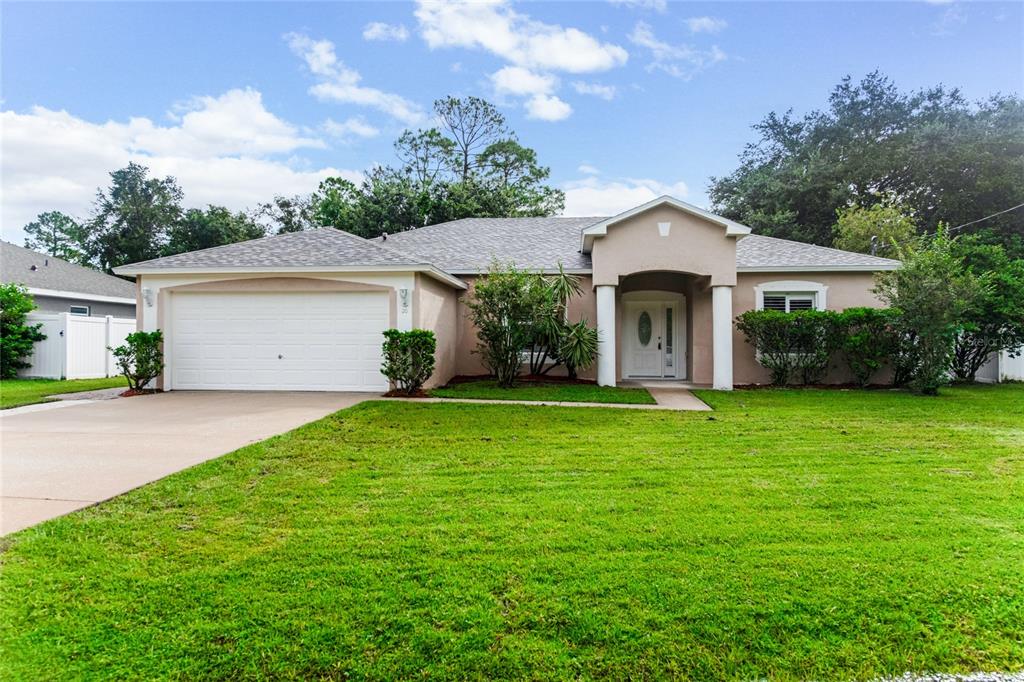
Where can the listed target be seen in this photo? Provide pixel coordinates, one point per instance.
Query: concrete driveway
(64, 457)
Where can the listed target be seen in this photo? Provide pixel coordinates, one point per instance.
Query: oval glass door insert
(643, 328)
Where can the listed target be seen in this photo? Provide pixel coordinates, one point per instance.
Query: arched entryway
(654, 325)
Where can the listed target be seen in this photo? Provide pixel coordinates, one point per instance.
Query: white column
(721, 332)
(606, 335)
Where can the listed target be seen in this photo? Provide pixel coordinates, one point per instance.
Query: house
(58, 286)
(663, 283)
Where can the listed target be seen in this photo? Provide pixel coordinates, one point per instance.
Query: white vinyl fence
(1011, 369)
(76, 346)
(1002, 367)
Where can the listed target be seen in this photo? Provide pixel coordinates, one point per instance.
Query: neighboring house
(663, 283)
(62, 287)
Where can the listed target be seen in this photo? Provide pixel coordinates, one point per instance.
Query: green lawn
(18, 392)
(558, 391)
(789, 534)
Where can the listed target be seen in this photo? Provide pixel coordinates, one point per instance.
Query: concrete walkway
(62, 456)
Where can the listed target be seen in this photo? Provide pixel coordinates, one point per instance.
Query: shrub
(931, 292)
(516, 311)
(141, 358)
(578, 348)
(867, 339)
(995, 321)
(816, 339)
(16, 337)
(551, 296)
(794, 345)
(409, 358)
(503, 306)
(905, 356)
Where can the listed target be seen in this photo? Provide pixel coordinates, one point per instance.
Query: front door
(649, 335)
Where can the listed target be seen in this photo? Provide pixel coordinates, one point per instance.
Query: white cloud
(53, 160)
(534, 50)
(596, 89)
(706, 24)
(587, 169)
(949, 21)
(547, 108)
(679, 61)
(354, 126)
(596, 197)
(515, 80)
(493, 26)
(656, 5)
(339, 83)
(234, 123)
(378, 30)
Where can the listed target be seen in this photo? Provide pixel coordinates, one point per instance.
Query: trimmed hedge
(798, 347)
(868, 340)
(793, 346)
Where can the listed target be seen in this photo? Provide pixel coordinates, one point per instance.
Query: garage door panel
(278, 341)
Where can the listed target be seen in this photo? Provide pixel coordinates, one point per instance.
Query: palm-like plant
(578, 347)
(551, 317)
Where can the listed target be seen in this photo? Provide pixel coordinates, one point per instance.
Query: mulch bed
(403, 394)
(849, 386)
(130, 393)
(525, 379)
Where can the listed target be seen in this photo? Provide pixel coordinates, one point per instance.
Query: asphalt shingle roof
(16, 265)
(472, 244)
(757, 251)
(325, 247)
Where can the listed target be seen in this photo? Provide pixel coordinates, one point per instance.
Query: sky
(624, 100)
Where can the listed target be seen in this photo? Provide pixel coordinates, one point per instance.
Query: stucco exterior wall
(693, 245)
(436, 308)
(845, 290)
(50, 304)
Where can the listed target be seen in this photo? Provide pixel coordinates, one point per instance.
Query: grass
(791, 534)
(18, 392)
(553, 391)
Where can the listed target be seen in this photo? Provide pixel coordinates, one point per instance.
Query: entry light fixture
(147, 296)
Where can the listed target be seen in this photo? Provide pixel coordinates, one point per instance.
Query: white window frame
(86, 308)
(817, 290)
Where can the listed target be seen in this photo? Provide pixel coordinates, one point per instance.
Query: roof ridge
(388, 249)
(461, 220)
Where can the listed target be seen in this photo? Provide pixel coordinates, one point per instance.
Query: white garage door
(294, 341)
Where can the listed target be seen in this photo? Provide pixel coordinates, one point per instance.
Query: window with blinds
(788, 303)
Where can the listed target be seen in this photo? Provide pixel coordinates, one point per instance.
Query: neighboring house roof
(46, 275)
(322, 249)
(471, 245)
(758, 253)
